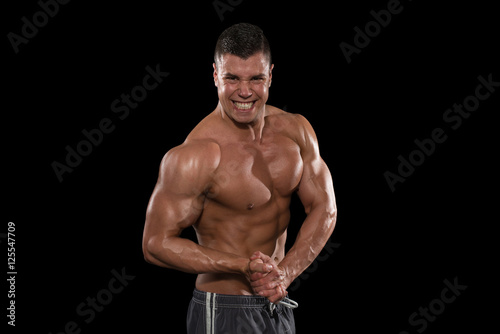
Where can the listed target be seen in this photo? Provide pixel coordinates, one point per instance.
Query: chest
(251, 174)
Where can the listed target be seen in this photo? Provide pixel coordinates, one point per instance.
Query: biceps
(316, 187)
(168, 213)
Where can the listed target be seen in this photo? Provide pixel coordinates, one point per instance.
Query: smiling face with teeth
(243, 86)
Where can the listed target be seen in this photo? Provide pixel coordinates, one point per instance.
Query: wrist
(242, 265)
(288, 274)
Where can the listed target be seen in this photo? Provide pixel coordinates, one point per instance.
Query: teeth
(245, 105)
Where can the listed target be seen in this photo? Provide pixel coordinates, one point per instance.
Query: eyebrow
(228, 74)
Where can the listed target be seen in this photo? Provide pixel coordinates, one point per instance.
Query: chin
(246, 119)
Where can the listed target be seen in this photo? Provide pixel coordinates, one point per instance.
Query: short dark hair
(242, 40)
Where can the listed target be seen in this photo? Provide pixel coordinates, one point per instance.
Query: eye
(231, 79)
(257, 79)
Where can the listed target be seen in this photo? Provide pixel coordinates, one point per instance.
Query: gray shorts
(211, 313)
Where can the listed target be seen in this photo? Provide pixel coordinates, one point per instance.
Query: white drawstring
(287, 302)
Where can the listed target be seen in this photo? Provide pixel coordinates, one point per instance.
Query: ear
(215, 74)
(271, 74)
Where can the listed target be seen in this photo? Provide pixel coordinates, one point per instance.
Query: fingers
(255, 276)
(279, 295)
(262, 256)
(274, 295)
(265, 277)
(268, 281)
(264, 285)
(257, 266)
(269, 286)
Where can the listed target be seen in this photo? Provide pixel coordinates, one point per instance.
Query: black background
(396, 248)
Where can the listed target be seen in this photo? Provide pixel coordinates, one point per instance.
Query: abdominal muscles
(241, 232)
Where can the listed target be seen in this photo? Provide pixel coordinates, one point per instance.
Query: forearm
(312, 237)
(185, 255)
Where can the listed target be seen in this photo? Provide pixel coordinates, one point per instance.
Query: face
(243, 86)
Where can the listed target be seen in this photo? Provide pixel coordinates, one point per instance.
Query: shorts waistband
(230, 301)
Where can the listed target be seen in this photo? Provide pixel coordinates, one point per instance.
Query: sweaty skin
(232, 181)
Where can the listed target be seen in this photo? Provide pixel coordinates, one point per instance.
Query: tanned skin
(232, 181)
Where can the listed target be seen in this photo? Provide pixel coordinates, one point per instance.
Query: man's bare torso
(246, 205)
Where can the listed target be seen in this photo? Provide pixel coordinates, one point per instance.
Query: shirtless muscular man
(232, 180)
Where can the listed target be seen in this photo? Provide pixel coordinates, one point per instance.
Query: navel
(250, 206)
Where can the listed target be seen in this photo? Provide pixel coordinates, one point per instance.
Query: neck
(246, 131)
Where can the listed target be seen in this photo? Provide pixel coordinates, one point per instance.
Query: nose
(244, 90)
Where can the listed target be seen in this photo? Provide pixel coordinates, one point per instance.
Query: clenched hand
(266, 278)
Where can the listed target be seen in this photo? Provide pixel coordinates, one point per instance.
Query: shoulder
(295, 125)
(192, 162)
(194, 150)
(200, 149)
(295, 121)
(193, 154)
(208, 129)
(306, 137)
